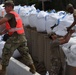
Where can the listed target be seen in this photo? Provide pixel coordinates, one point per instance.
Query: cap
(69, 6)
(74, 13)
(8, 3)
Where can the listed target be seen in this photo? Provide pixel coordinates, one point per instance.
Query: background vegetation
(52, 4)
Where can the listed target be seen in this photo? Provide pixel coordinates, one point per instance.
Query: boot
(2, 70)
(32, 69)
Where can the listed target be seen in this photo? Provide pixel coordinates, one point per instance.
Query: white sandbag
(40, 24)
(61, 13)
(24, 13)
(52, 11)
(71, 58)
(50, 21)
(41, 21)
(66, 21)
(1, 47)
(61, 29)
(29, 9)
(71, 42)
(61, 32)
(70, 51)
(25, 20)
(73, 49)
(17, 8)
(32, 8)
(53, 19)
(16, 53)
(33, 19)
(2, 11)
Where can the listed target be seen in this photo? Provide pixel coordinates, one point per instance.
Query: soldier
(16, 38)
(57, 59)
(74, 22)
(71, 70)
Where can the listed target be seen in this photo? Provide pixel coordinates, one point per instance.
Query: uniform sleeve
(9, 16)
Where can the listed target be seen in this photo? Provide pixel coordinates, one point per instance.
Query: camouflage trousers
(55, 67)
(14, 42)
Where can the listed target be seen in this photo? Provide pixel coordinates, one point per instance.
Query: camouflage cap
(74, 13)
(9, 3)
(69, 6)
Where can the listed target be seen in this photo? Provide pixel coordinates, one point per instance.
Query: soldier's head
(9, 5)
(52, 35)
(70, 8)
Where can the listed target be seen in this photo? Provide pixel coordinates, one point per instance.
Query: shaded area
(48, 5)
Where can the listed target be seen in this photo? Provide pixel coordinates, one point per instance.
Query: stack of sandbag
(24, 12)
(53, 20)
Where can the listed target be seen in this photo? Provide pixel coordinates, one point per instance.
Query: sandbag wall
(39, 46)
(35, 42)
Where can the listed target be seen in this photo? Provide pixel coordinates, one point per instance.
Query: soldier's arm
(3, 20)
(6, 18)
(67, 37)
(73, 24)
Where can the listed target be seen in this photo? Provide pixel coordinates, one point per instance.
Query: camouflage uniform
(15, 41)
(56, 59)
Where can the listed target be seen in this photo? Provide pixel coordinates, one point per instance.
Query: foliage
(24, 2)
(52, 4)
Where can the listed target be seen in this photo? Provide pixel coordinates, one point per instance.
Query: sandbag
(53, 20)
(33, 19)
(50, 21)
(65, 22)
(41, 21)
(69, 50)
(16, 53)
